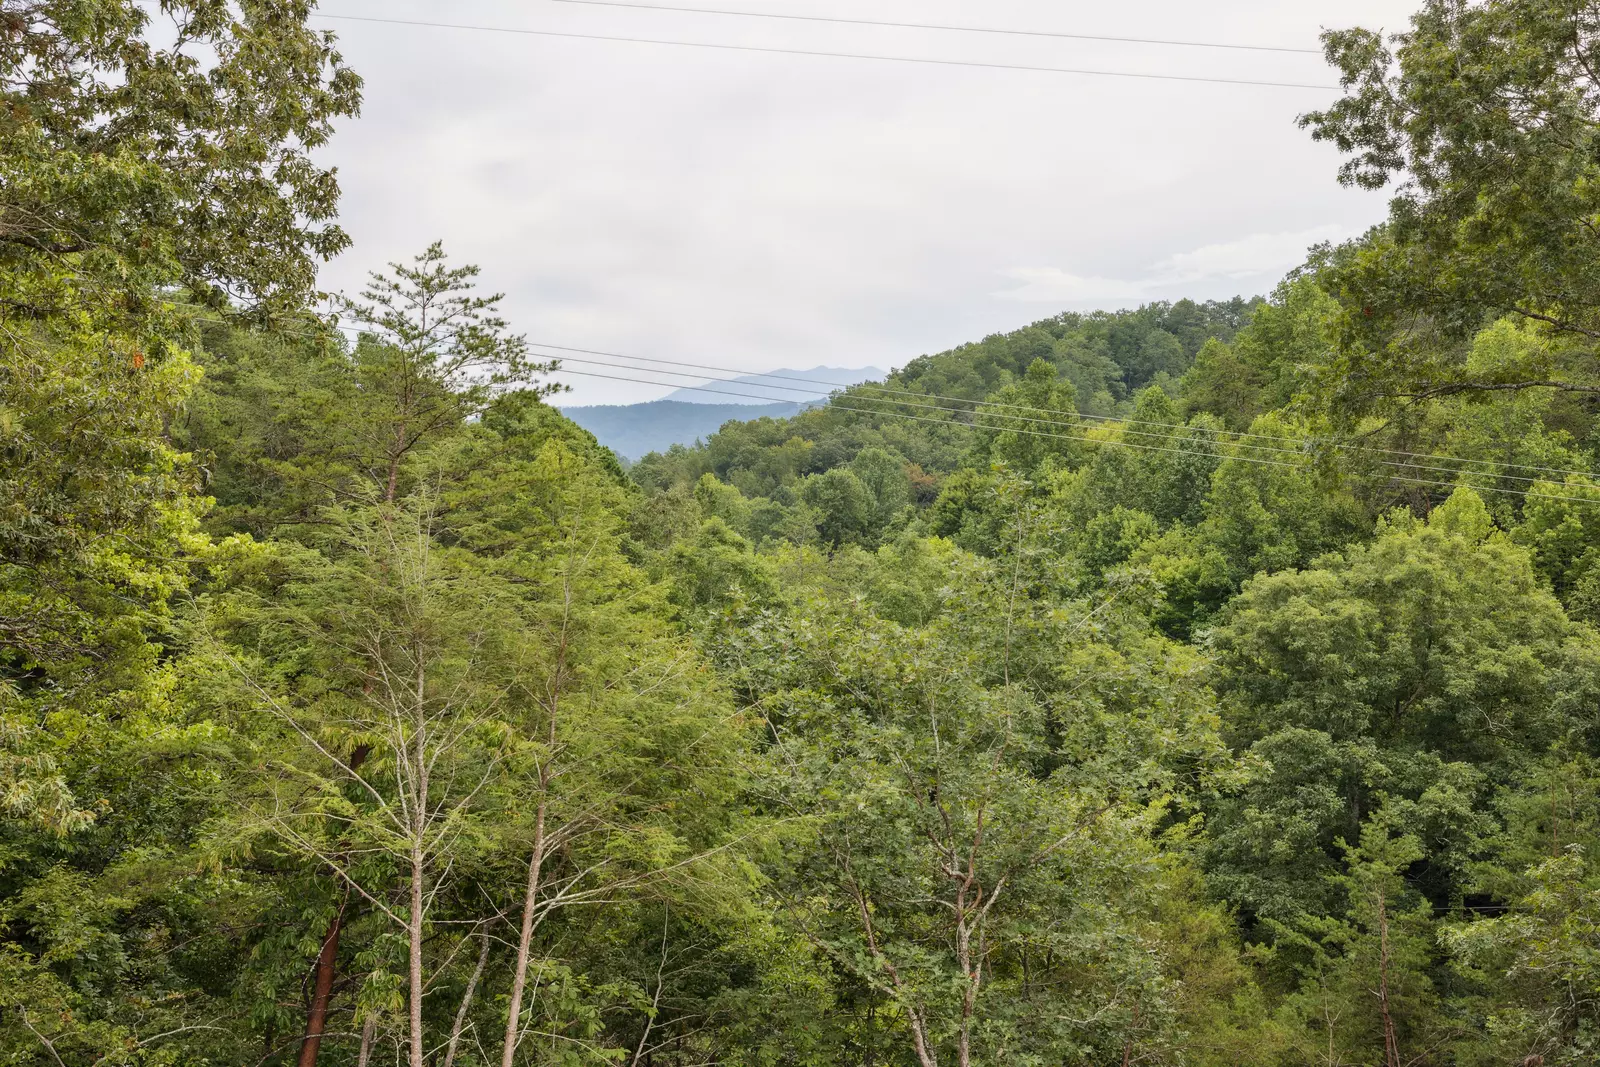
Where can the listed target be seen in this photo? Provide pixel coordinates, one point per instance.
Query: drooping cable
(1057, 35)
(1087, 72)
(842, 404)
(1237, 437)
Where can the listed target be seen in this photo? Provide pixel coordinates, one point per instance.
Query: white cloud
(1248, 257)
(1259, 259)
(1052, 285)
(758, 211)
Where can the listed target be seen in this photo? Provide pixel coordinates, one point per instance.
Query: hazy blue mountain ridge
(776, 386)
(635, 430)
(687, 415)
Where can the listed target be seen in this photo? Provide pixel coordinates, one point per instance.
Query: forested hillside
(1204, 684)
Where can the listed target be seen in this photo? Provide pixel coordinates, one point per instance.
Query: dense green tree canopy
(131, 166)
(1485, 115)
(1198, 684)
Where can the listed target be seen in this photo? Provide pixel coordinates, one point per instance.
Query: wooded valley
(1209, 683)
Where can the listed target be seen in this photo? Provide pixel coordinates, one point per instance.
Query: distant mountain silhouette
(686, 415)
(635, 430)
(774, 387)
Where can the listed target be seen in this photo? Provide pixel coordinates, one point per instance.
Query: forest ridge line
(1204, 683)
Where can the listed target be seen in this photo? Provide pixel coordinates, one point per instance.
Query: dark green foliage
(1484, 114)
(1134, 688)
(843, 503)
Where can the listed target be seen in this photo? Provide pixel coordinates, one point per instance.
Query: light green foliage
(430, 355)
(1104, 358)
(1155, 463)
(715, 567)
(968, 511)
(1226, 508)
(976, 862)
(718, 500)
(843, 504)
(1429, 633)
(1112, 537)
(1281, 353)
(912, 580)
(1028, 425)
(1096, 380)
(1560, 529)
(1388, 696)
(1107, 356)
(885, 475)
(110, 161)
(129, 171)
(96, 508)
(495, 635)
(1484, 115)
(1223, 384)
(129, 167)
(1198, 684)
(1511, 440)
(1263, 516)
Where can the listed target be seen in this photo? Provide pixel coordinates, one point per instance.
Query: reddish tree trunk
(327, 965)
(317, 1019)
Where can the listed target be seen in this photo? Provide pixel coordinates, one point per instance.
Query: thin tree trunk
(655, 1001)
(919, 1035)
(327, 963)
(519, 978)
(466, 1002)
(530, 900)
(369, 1031)
(322, 993)
(1327, 1015)
(969, 994)
(919, 1040)
(394, 464)
(415, 963)
(419, 817)
(1391, 1043)
(1555, 824)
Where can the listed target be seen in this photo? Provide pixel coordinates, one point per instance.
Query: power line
(825, 55)
(836, 402)
(1231, 436)
(1172, 432)
(1100, 441)
(940, 26)
(942, 422)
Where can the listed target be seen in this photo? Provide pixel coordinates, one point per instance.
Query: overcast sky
(759, 211)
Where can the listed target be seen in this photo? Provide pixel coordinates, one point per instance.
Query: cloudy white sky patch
(1052, 285)
(1248, 257)
(1253, 264)
(761, 211)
